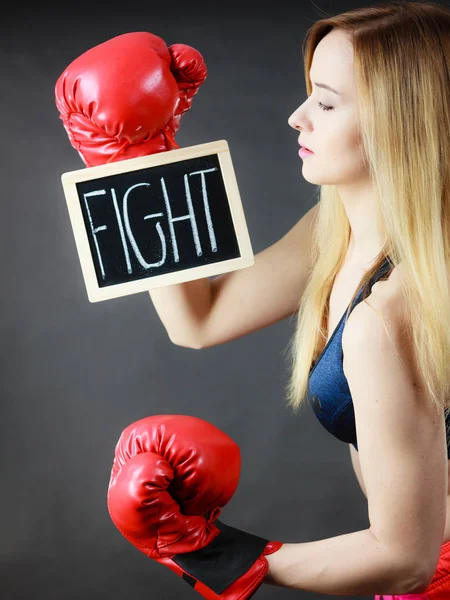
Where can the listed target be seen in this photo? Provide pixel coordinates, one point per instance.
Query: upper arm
(401, 435)
(270, 290)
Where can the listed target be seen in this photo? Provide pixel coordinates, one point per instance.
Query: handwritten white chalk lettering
(126, 231)
(94, 230)
(212, 236)
(131, 237)
(122, 235)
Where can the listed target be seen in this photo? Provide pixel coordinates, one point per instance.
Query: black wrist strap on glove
(229, 556)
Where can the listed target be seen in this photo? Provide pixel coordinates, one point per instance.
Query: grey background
(75, 374)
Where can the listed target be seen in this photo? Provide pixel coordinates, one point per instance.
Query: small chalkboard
(157, 220)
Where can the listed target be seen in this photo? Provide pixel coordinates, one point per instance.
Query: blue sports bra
(328, 391)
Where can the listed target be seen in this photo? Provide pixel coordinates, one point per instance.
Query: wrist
(276, 561)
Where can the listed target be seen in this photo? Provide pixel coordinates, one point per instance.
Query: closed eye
(324, 107)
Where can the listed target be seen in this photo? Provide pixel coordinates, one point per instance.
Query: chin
(316, 180)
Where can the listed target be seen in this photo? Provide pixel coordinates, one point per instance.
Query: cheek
(341, 137)
(342, 143)
(347, 150)
(339, 158)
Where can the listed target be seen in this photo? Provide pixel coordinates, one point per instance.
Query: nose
(293, 120)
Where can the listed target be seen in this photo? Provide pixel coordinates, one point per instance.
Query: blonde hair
(402, 66)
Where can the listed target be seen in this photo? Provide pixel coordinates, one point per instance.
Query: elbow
(419, 587)
(415, 580)
(423, 581)
(405, 574)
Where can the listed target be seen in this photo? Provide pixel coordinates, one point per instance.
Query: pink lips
(304, 153)
(302, 146)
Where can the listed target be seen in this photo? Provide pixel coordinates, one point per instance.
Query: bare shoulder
(386, 300)
(383, 322)
(379, 327)
(385, 307)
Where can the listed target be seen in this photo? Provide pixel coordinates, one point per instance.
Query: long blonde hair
(402, 69)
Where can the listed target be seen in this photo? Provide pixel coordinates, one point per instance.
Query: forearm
(183, 309)
(351, 564)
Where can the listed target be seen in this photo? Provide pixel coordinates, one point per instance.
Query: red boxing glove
(170, 478)
(125, 97)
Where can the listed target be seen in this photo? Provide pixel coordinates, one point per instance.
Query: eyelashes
(324, 107)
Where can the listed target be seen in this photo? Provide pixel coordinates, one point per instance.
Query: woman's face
(327, 120)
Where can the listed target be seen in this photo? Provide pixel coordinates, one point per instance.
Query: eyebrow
(326, 87)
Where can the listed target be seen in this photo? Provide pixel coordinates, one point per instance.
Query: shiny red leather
(171, 476)
(169, 471)
(125, 97)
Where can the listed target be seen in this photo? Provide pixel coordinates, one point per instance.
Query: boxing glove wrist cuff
(229, 556)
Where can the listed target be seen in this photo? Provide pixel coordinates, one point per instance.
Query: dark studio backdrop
(75, 374)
